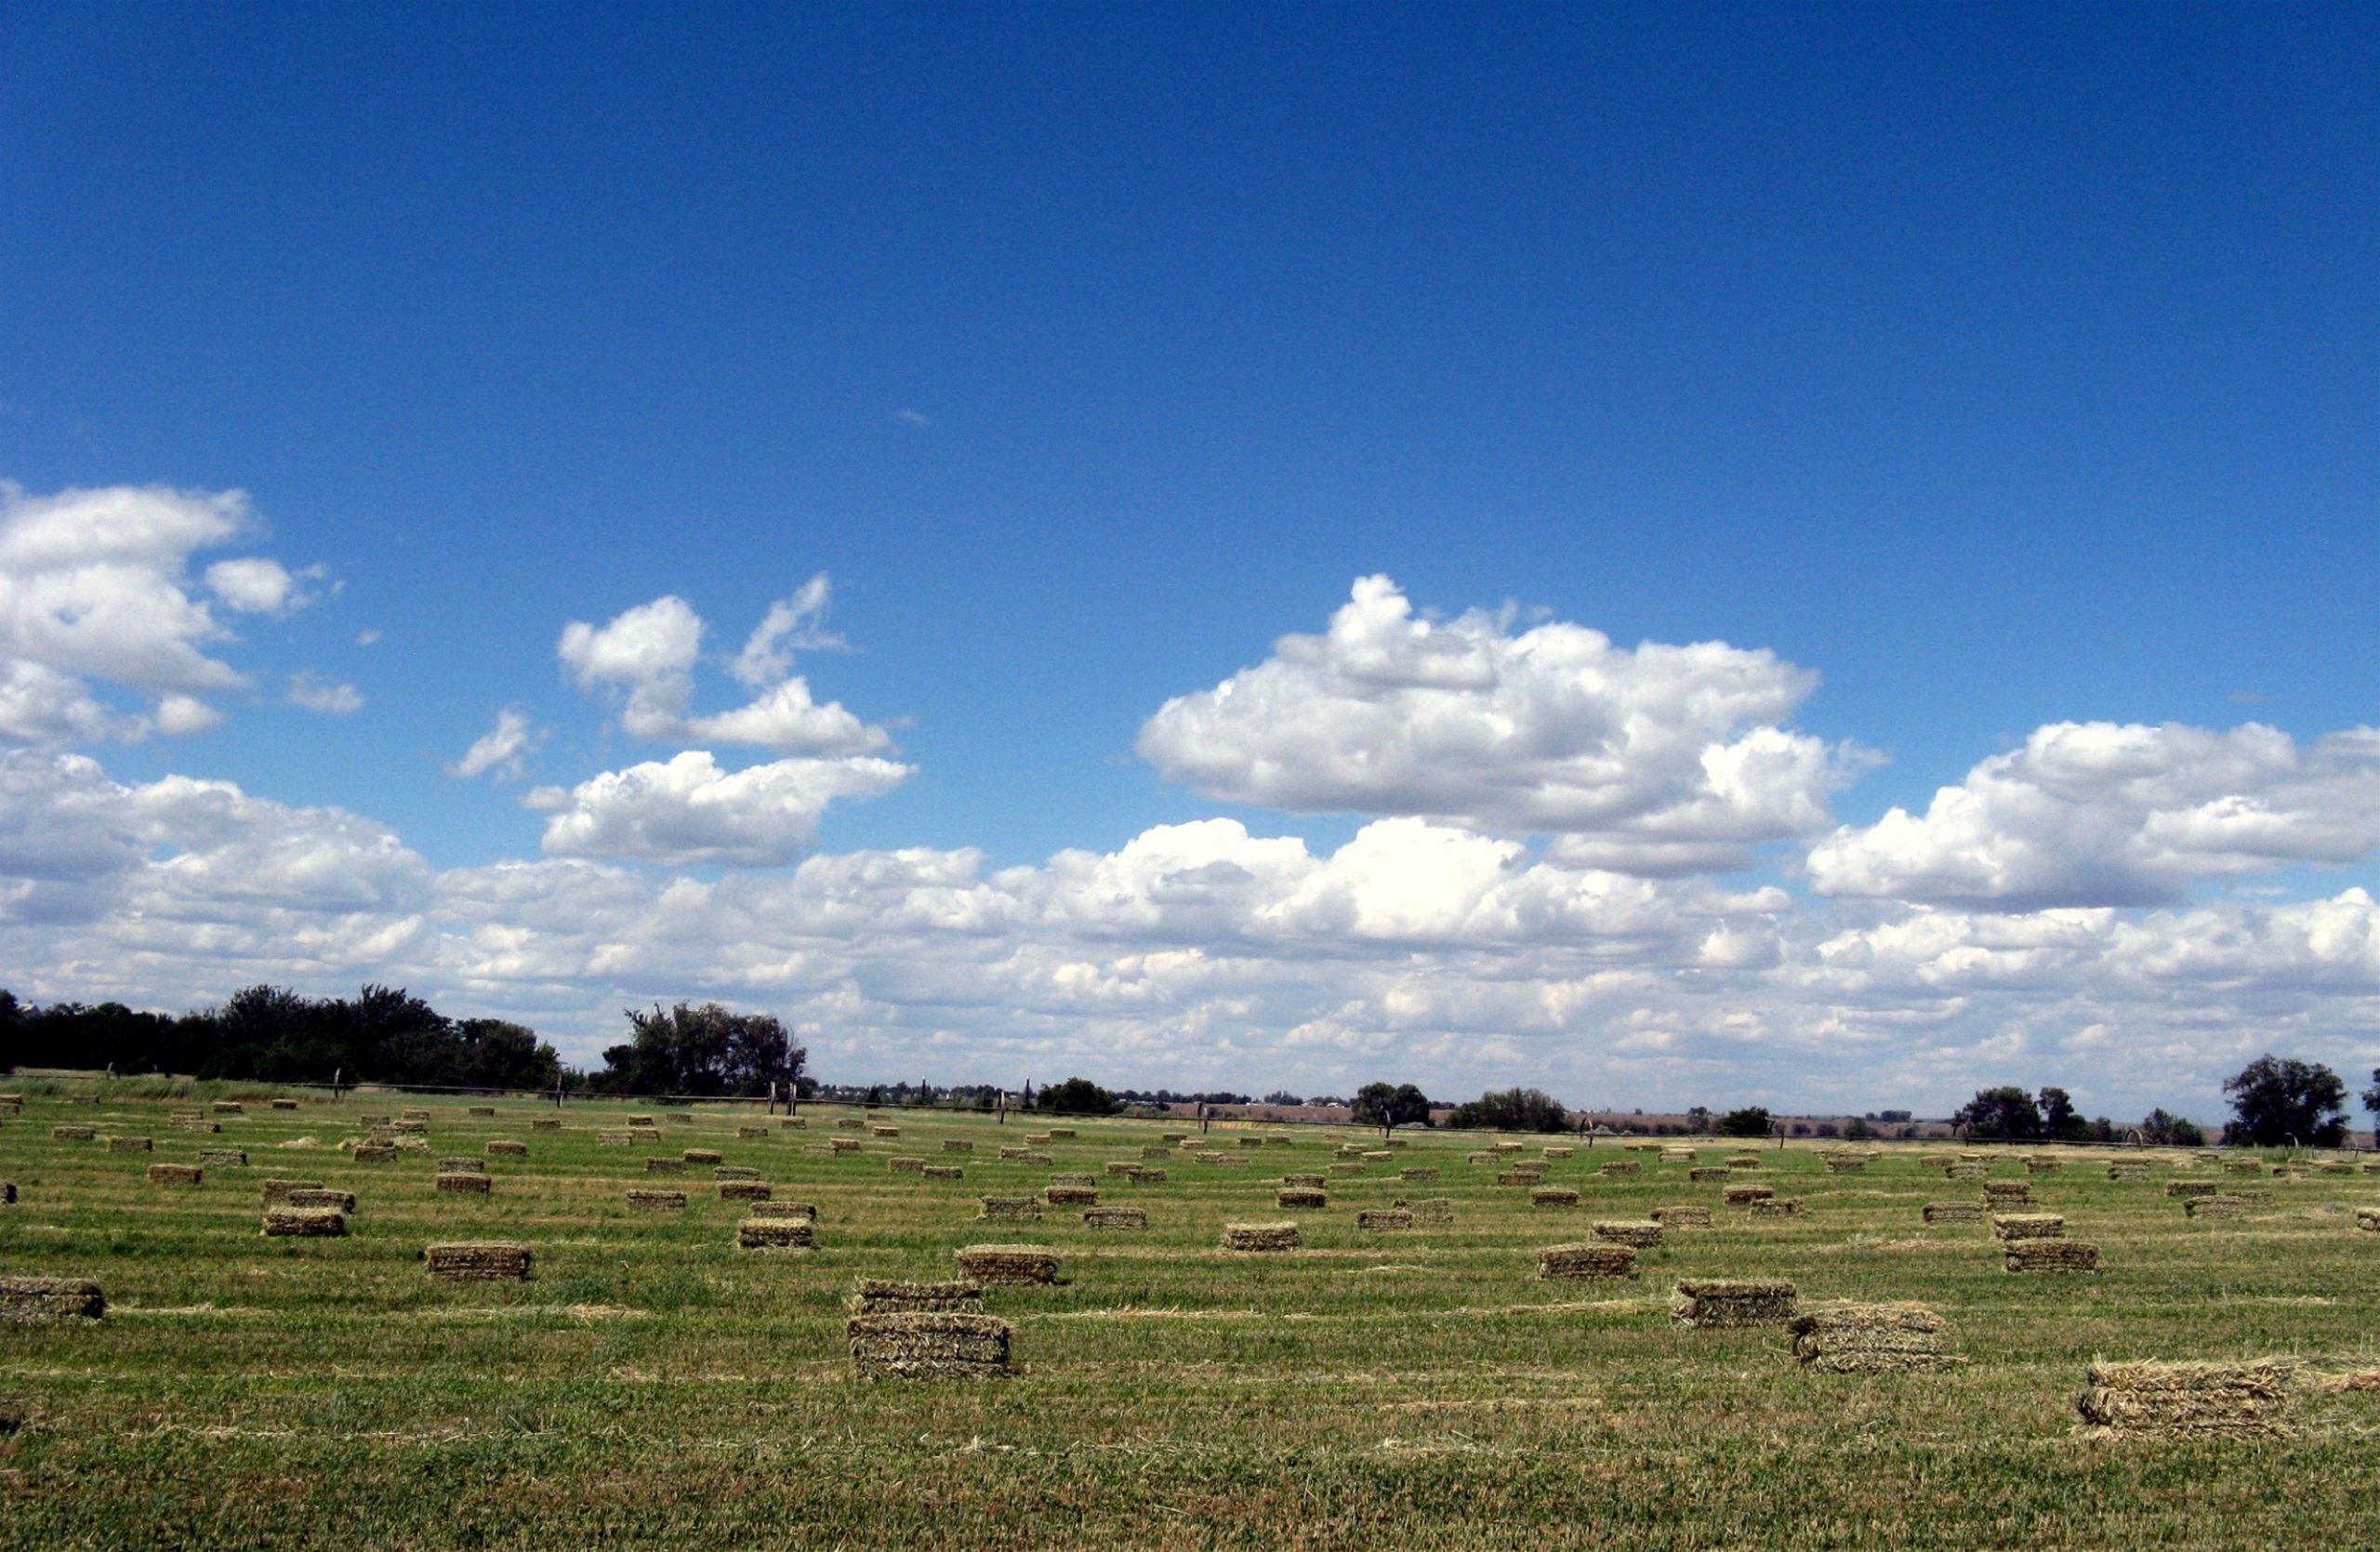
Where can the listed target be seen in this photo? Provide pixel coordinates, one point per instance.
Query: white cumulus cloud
(259, 585)
(313, 693)
(687, 811)
(2101, 813)
(1659, 760)
(503, 749)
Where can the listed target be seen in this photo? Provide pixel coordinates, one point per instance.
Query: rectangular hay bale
(1597, 1261)
(479, 1261)
(1715, 1304)
(928, 1345)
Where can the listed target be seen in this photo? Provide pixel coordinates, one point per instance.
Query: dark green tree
(2164, 1129)
(2059, 1119)
(1078, 1096)
(1387, 1106)
(2279, 1101)
(2007, 1113)
(1511, 1110)
(1750, 1121)
(708, 1050)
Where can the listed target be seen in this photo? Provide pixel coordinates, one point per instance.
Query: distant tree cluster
(706, 1050)
(270, 1034)
(1391, 1104)
(1752, 1121)
(1078, 1096)
(1511, 1110)
(2279, 1101)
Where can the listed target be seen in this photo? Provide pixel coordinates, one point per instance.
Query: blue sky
(1997, 369)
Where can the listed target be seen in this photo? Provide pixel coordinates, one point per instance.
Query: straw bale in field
(735, 1172)
(681, 1117)
(176, 1174)
(1385, 1220)
(229, 1108)
(744, 1191)
(1260, 1236)
(850, 1123)
(956, 1145)
(1642, 1148)
(633, 1120)
(1431, 1210)
(944, 1172)
(1171, 1136)
(1848, 1338)
(2038, 1165)
(615, 1139)
(1071, 1196)
(1552, 1152)
(1027, 1208)
(884, 1131)
(2050, 1255)
(2004, 1193)
(546, 1123)
(1619, 1169)
(505, 1148)
(1149, 1177)
(376, 1120)
(1744, 1196)
(929, 1346)
(1074, 1177)
(701, 1156)
(196, 1125)
(74, 1134)
(465, 1185)
(284, 1104)
(222, 1157)
(818, 1150)
(1677, 1156)
(843, 1144)
(1487, 1157)
(462, 1166)
(482, 1110)
(2127, 1169)
(1010, 1266)
(2189, 1401)
(412, 1115)
(478, 1261)
(1954, 1212)
(1966, 1170)
(905, 1163)
(279, 1190)
(1553, 1196)
(1123, 1168)
(412, 1128)
(1277, 1141)
(305, 1223)
(2193, 1187)
(373, 1154)
(656, 1201)
(884, 1295)
(1844, 1164)
(1716, 1304)
(1744, 1162)
(1030, 1157)
(1511, 1147)
(1586, 1263)
(793, 1124)
(50, 1298)
(773, 1234)
(1346, 1169)
(132, 1145)
(1301, 1196)
(1249, 1142)
(1519, 1177)
(2226, 1204)
(1708, 1174)
(1681, 1217)
(1153, 1151)
(1378, 1156)
(1642, 1233)
(321, 1196)
(2368, 1219)
(1776, 1207)
(2243, 1166)
(1063, 1134)
(664, 1166)
(773, 1208)
(1116, 1217)
(752, 1134)
(2028, 1226)
(1417, 1171)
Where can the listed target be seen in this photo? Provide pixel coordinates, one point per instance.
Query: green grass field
(654, 1385)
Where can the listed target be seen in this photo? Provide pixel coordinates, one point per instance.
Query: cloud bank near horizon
(1613, 872)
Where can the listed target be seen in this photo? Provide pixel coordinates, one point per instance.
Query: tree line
(386, 1035)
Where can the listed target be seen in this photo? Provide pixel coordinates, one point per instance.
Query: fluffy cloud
(259, 585)
(95, 585)
(314, 693)
(1661, 760)
(2093, 813)
(686, 811)
(504, 749)
(646, 656)
(1197, 955)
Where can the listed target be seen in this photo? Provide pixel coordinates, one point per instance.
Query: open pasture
(653, 1382)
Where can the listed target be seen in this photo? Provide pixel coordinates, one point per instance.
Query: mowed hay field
(652, 1384)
